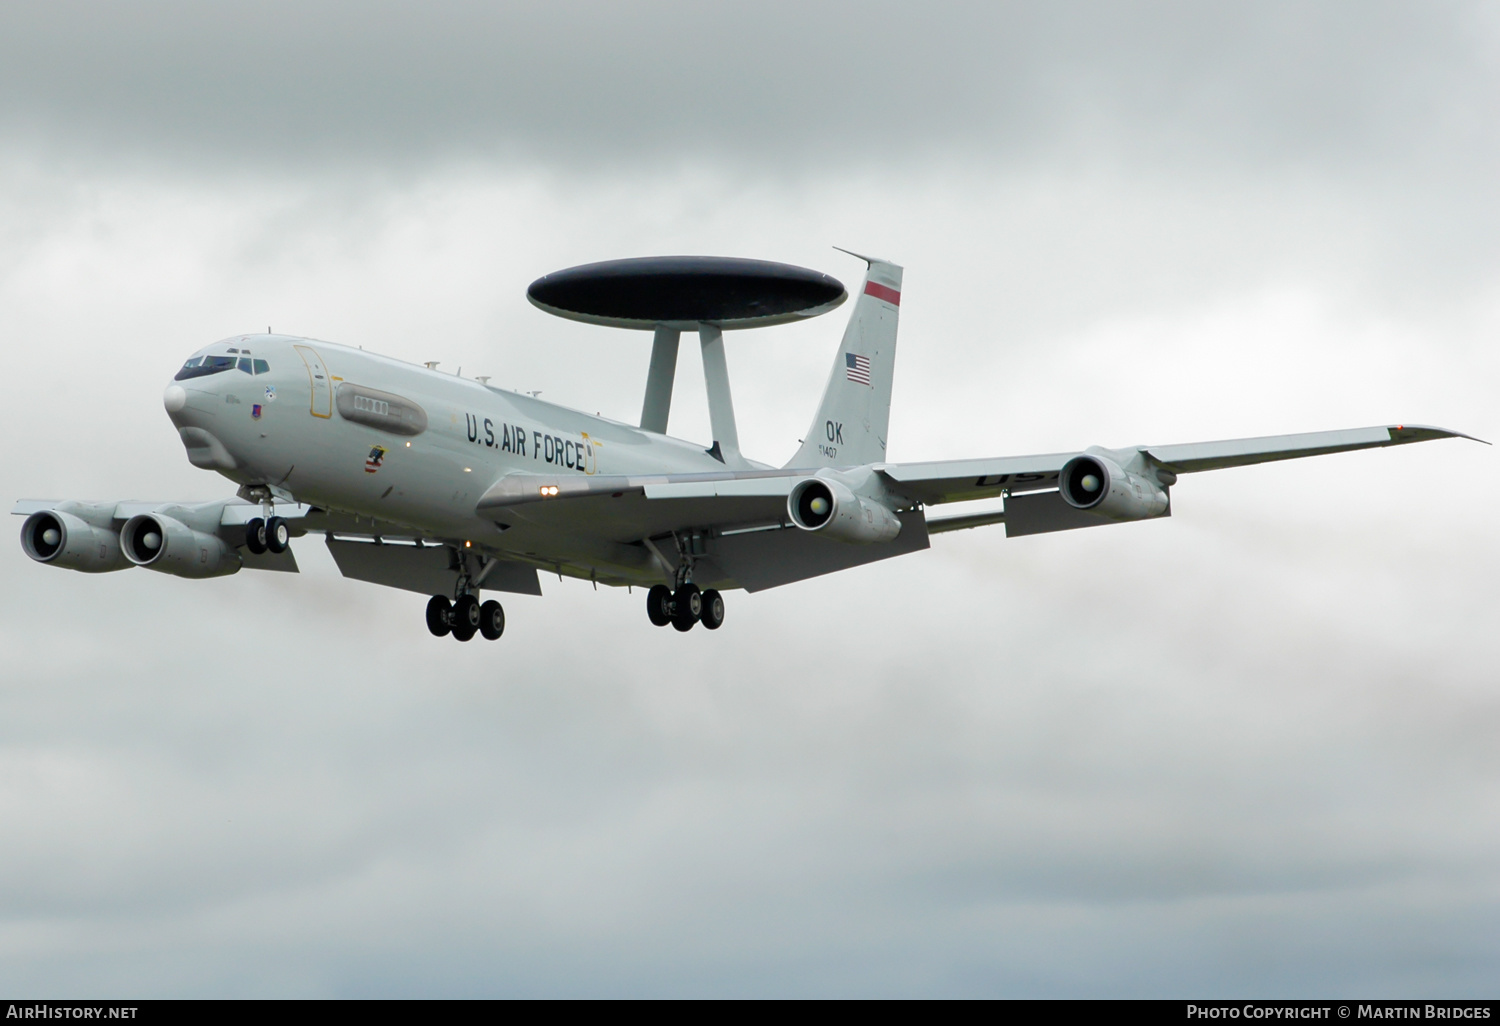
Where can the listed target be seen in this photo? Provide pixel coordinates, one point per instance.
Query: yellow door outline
(317, 377)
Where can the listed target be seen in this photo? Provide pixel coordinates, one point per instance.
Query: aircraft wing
(641, 507)
(1034, 506)
(960, 480)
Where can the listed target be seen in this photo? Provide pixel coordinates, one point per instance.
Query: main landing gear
(684, 607)
(267, 535)
(465, 617)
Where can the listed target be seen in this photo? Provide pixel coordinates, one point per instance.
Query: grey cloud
(1245, 751)
(762, 86)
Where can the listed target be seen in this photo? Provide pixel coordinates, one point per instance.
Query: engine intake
(169, 546)
(831, 508)
(1101, 485)
(62, 539)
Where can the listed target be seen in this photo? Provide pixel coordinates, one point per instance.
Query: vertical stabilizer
(850, 426)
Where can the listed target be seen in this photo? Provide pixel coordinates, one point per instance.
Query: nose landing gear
(271, 535)
(267, 535)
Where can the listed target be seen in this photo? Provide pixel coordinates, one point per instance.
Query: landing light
(549, 490)
(468, 545)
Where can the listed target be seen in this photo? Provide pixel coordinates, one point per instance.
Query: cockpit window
(262, 367)
(245, 365)
(198, 367)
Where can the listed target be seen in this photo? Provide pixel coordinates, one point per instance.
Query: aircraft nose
(174, 398)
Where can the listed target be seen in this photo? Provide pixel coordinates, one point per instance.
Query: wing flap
(962, 480)
(427, 570)
(942, 525)
(743, 488)
(1045, 512)
(758, 560)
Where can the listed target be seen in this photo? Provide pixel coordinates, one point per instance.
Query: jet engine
(158, 542)
(832, 509)
(1100, 485)
(62, 539)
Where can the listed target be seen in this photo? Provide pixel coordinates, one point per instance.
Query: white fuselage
(284, 427)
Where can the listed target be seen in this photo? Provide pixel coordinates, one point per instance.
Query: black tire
(439, 609)
(278, 536)
(712, 615)
(255, 536)
(659, 605)
(491, 620)
(687, 605)
(465, 617)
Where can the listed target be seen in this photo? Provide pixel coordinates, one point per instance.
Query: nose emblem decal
(255, 411)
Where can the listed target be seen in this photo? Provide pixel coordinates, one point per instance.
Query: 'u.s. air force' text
(554, 449)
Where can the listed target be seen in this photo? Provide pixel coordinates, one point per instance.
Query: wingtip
(1427, 433)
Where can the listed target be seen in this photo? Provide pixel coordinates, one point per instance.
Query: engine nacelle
(1100, 485)
(832, 509)
(62, 539)
(160, 543)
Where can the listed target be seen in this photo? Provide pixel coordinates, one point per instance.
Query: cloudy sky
(1250, 750)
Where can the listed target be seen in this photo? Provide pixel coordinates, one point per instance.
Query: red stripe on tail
(879, 291)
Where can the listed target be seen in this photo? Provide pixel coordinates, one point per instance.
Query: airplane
(450, 487)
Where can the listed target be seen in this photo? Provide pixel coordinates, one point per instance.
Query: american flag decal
(857, 368)
(375, 459)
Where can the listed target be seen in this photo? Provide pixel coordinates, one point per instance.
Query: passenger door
(317, 375)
